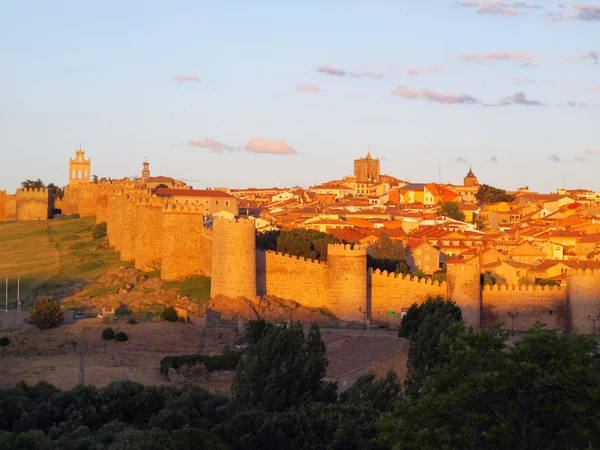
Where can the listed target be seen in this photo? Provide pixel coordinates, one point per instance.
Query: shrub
(121, 337)
(4, 341)
(169, 313)
(227, 361)
(131, 321)
(45, 313)
(256, 329)
(108, 334)
(181, 319)
(99, 231)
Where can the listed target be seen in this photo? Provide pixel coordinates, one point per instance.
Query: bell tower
(146, 172)
(471, 179)
(79, 168)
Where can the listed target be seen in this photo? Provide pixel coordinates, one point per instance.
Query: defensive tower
(464, 288)
(583, 298)
(347, 280)
(234, 258)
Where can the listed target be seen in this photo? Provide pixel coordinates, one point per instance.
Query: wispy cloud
(554, 158)
(336, 71)
(557, 16)
(521, 81)
(592, 151)
(462, 159)
(530, 65)
(181, 79)
(519, 99)
(498, 8)
(587, 12)
(586, 56)
(308, 87)
(579, 159)
(520, 56)
(431, 69)
(212, 145)
(434, 96)
(260, 145)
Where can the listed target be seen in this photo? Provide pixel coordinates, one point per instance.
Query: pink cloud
(331, 70)
(186, 79)
(434, 96)
(589, 56)
(518, 99)
(498, 8)
(591, 151)
(430, 69)
(587, 12)
(308, 87)
(260, 145)
(520, 56)
(214, 146)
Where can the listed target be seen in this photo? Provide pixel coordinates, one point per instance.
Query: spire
(369, 155)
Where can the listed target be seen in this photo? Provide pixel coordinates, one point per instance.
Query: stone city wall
(34, 204)
(10, 208)
(583, 297)
(148, 238)
(2, 206)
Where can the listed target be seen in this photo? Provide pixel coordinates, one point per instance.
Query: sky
(271, 93)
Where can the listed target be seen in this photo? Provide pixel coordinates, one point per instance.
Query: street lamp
(513, 316)
(593, 320)
(364, 313)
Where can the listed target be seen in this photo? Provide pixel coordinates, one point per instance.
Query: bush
(108, 334)
(99, 231)
(227, 361)
(121, 337)
(131, 321)
(45, 313)
(169, 313)
(256, 329)
(4, 341)
(181, 319)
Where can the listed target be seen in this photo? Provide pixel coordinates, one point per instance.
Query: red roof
(192, 193)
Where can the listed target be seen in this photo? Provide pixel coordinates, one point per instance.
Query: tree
(169, 314)
(45, 313)
(388, 255)
(452, 210)
(490, 278)
(99, 230)
(542, 392)
(424, 325)
(307, 243)
(381, 395)
(58, 191)
(33, 184)
(267, 240)
(94, 179)
(283, 370)
(489, 194)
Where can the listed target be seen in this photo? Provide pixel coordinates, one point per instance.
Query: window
(226, 202)
(216, 202)
(518, 273)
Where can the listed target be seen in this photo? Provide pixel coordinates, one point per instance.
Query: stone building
(213, 201)
(79, 169)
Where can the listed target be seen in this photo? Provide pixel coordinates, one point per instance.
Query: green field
(50, 259)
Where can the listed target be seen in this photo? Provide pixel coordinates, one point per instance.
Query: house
(425, 257)
(586, 245)
(510, 271)
(323, 224)
(213, 201)
(527, 254)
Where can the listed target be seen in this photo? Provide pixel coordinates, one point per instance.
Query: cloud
(579, 158)
(181, 79)
(376, 75)
(558, 16)
(493, 159)
(433, 96)
(214, 146)
(260, 145)
(498, 8)
(530, 65)
(330, 70)
(430, 69)
(521, 81)
(307, 87)
(587, 12)
(592, 151)
(461, 159)
(519, 99)
(520, 56)
(589, 56)
(554, 158)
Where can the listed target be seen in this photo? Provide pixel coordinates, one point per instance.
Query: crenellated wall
(34, 204)
(186, 244)
(10, 208)
(528, 305)
(347, 281)
(114, 215)
(148, 238)
(129, 225)
(391, 292)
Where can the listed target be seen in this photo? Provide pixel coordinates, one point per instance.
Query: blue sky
(289, 93)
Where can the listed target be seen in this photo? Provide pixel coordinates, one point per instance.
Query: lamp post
(593, 320)
(364, 313)
(513, 316)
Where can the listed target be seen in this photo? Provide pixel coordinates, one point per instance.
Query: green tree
(424, 325)
(490, 278)
(489, 194)
(381, 395)
(45, 313)
(452, 210)
(58, 191)
(283, 370)
(542, 393)
(33, 184)
(388, 255)
(169, 313)
(307, 243)
(267, 240)
(99, 230)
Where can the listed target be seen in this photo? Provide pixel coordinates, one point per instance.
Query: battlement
(584, 272)
(513, 287)
(34, 191)
(183, 208)
(152, 201)
(298, 258)
(241, 221)
(426, 281)
(2, 192)
(346, 250)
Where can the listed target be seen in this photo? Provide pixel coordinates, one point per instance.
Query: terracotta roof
(192, 193)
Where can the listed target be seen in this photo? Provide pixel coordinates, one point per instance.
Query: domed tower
(347, 279)
(464, 288)
(79, 168)
(233, 258)
(471, 179)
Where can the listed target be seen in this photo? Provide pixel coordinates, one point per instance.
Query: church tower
(471, 179)
(79, 169)
(146, 172)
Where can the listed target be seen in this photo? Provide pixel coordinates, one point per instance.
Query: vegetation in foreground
(465, 389)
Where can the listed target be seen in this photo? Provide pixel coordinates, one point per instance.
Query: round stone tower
(347, 279)
(464, 288)
(233, 258)
(583, 297)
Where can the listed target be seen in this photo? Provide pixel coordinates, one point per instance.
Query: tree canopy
(299, 242)
(388, 255)
(45, 313)
(33, 184)
(452, 210)
(489, 194)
